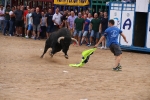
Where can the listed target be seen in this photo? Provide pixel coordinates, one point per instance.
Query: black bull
(59, 40)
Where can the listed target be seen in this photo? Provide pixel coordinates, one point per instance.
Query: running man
(112, 34)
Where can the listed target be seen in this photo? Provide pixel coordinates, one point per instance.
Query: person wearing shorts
(29, 23)
(86, 30)
(70, 22)
(2, 18)
(79, 27)
(57, 19)
(49, 23)
(95, 27)
(19, 17)
(6, 21)
(103, 27)
(112, 34)
(36, 16)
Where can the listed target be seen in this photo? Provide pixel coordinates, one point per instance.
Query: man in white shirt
(57, 19)
(2, 18)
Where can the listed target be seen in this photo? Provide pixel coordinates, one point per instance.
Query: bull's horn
(60, 38)
(73, 39)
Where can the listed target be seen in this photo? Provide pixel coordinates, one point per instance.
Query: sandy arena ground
(25, 76)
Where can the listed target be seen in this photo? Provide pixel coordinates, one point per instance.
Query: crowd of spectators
(34, 23)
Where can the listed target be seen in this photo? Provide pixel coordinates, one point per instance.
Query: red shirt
(25, 13)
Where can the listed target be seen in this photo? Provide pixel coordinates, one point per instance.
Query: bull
(59, 40)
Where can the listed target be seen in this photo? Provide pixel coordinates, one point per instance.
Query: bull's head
(65, 44)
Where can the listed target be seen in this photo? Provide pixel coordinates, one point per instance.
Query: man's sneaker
(102, 47)
(89, 45)
(118, 68)
(105, 48)
(26, 37)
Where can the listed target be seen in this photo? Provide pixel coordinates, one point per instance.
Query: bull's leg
(45, 50)
(54, 50)
(65, 52)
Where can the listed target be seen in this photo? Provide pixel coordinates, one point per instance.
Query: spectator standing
(79, 27)
(2, 18)
(19, 18)
(57, 19)
(86, 30)
(7, 18)
(23, 22)
(26, 12)
(12, 22)
(24, 15)
(29, 23)
(101, 15)
(70, 22)
(90, 17)
(49, 22)
(103, 27)
(43, 25)
(95, 27)
(36, 23)
(64, 20)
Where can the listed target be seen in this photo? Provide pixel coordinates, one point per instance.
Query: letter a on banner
(127, 23)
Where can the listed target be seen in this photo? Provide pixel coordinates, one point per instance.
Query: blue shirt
(86, 27)
(111, 35)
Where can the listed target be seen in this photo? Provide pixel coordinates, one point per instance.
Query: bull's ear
(60, 38)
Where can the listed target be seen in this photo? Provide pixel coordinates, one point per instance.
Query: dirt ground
(25, 76)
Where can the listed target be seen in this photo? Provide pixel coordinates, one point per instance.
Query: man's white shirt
(57, 18)
(2, 12)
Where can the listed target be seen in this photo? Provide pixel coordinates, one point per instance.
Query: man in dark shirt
(19, 17)
(64, 20)
(103, 27)
(49, 22)
(36, 16)
(101, 15)
(12, 22)
(7, 18)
